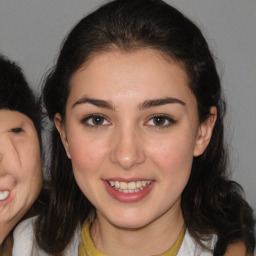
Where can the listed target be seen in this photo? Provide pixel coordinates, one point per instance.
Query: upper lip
(5, 189)
(7, 183)
(127, 179)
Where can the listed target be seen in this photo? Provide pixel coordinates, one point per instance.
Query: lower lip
(128, 197)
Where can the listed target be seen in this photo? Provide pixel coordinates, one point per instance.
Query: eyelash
(164, 118)
(16, 130)
(85, 121)
(103, 119)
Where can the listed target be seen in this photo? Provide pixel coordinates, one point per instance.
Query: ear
(62, 131)
(205, 132)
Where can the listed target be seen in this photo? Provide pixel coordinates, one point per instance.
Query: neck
(160, 235)
(5, 230)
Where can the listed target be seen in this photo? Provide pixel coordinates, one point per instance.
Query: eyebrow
(145, 105)
(160, 102)
(96, 102)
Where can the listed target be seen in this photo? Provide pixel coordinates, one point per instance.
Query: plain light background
(31, 32)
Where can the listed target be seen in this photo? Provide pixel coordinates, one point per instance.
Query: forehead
(10, 117)
(131, 74)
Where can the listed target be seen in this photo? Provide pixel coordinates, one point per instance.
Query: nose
(127, 151)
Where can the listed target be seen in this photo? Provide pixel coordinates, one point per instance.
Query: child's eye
(95, 120)
(16, 130)
(160, 121)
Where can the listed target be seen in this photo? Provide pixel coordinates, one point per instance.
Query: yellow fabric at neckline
(87, 248)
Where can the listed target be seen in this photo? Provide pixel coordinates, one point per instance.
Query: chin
(129, 223)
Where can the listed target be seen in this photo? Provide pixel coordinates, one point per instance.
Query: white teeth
(4, 195)
(117, 184)
(112, 183)
(129, 187)
(123, 185)
(138, 184)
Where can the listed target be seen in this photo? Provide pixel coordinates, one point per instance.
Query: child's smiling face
(131, 130)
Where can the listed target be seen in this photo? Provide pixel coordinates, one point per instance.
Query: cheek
(86, 155)
(29, 175)
(173, 160)
(31, 165)
(173, 155)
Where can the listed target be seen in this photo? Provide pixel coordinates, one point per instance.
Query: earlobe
(61, 129)
(205, 132)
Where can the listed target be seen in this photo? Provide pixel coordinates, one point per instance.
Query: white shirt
(24, 243)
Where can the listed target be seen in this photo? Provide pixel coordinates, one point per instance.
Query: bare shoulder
(236, 249)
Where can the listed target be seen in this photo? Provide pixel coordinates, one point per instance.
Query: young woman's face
(20, 166)
(131, 130)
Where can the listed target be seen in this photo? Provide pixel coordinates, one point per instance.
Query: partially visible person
(20, 150)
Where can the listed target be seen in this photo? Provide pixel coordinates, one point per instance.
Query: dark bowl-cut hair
(16, 95)
(211, 203)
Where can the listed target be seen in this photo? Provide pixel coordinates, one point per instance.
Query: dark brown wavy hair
(211, 203)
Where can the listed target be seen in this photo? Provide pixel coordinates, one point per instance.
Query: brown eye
(160, 121)
(95, 120)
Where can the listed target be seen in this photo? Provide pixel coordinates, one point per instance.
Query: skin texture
(20, 167)
(236, 249)
(129, 145)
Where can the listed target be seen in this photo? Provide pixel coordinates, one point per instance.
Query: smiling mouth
(129, 187)
(4, 194)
